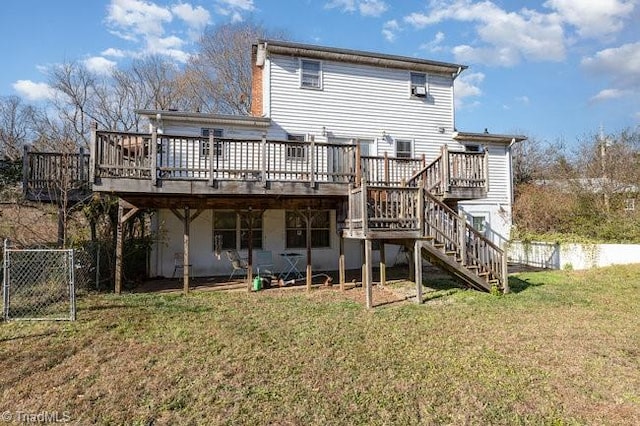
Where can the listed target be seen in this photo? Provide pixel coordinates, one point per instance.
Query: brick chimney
(256, 83)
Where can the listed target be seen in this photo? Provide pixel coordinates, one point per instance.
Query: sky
(555, 70)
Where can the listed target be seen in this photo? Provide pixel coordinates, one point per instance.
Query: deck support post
(309, 272)
(369, 274)
(186, 260)
(341, 263)
(250, 251)
(122, 219)
(417, 259)
(383, 265)
(411, 263)
(118, 271)
(186, 220)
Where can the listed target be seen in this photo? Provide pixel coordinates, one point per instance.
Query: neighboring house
(343, 148)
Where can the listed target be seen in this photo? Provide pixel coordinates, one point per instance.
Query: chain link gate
(38, 284)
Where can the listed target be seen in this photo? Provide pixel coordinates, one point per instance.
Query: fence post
(5, 281)
(505, 269)
(72, 287)
(154, 156)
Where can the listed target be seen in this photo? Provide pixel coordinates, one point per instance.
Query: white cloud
(390, 30)
(196, 17)
(620, 66)
(169, 46)
(505, 37)
(523, 99)
(34, 91)
(434, 45)
(99, 65)
(372, 7)
(132, 18)
(608, 94)
(365, 7)
(114, 53)
(468, 86)
(593, 18)
(234, 8)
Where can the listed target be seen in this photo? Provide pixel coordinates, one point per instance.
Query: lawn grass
(562, 349)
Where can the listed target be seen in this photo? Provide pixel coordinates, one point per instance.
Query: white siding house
(317, 112)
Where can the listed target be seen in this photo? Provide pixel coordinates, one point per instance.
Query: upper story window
(472, 148)
(310, 74)
(403, 148)
(418, 84)
(218, 145)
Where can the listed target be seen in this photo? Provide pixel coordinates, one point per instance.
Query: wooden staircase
(416, 215)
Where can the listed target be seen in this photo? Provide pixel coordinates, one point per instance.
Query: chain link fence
(38, 284)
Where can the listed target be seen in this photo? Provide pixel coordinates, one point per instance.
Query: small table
(292, 265)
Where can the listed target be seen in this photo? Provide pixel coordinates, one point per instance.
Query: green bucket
(257, 284)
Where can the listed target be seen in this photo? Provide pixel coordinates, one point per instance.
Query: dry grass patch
(562, 349)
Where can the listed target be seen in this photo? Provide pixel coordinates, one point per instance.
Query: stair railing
(457, 237)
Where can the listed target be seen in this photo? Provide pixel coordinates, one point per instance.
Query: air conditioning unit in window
(420, 91)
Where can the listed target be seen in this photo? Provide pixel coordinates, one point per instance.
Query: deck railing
(389, 171)
(375, 209)
(54, 170)
(453, 169)
(144, 156)
(169, 157)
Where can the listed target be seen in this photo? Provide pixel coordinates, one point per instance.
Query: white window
(310, 74)
(479, 223)
(296, 229)
(418, 84)
(403, 148)
(232, 231)
(218, 149)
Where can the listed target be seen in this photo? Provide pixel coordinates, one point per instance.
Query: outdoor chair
(237, 263)
(178, 263)
(264, 263)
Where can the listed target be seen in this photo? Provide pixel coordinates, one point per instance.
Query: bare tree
(219, 76)
(16, 120)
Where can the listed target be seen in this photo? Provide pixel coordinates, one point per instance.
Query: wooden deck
(393, 200)
(171, 165)
(54, 177)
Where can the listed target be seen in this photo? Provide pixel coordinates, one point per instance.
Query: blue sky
(553, 69)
